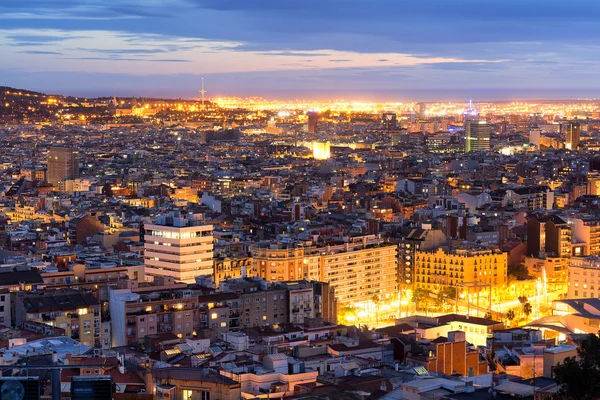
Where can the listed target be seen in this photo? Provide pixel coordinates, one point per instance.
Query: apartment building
(301, 306)
(584, 278)
(179, 246)
(258, 303)
(451, 356)
(416, 240)
(92, 273)
(586, 230)
(231, 268)
(136, 315)
(326, 303)
(476, 330)
(357, 268)
(453, 267)
(192, 384)
(530, 198)
(549, 234)
(77, 312)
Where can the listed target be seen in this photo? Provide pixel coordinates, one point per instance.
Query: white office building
(179, 246)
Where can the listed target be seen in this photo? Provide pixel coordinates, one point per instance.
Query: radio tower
(202, 91)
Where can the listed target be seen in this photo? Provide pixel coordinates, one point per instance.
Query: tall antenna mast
(202, 91)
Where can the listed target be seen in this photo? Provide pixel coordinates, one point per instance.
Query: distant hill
(7, 91)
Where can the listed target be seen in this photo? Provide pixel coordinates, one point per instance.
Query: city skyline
(421, 51)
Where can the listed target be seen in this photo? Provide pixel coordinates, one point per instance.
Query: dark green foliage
(580, 379)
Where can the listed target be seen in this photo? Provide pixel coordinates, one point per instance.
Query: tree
(519, 271)
(420, 295)
(580, 378)
(376, 300)
(510, 315)
(527, 309)
(449, 292)
(488, 315)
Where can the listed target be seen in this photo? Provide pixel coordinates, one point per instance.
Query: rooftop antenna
(203, 92)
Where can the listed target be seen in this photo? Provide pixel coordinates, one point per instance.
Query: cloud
(40, 52)
(125, 59)
(200, 54)
(43, 38)
(123, 51)
(292, 53)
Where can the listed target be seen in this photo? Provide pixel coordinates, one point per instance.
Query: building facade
(358, 269)
(63, 164)
(77, 312)
(572, 135)
(437, 269)
(477, 135)
(178, 246)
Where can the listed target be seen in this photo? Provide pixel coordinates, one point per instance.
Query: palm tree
(376, 300)
(522, 300)
(510, 315)
(527, 309)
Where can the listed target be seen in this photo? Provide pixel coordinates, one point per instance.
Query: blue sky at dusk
(377, 49)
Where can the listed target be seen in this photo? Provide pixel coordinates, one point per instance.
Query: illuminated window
(214, 315)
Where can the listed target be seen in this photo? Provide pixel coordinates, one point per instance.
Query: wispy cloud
(126, 59)
(193, 54)
(40, 52)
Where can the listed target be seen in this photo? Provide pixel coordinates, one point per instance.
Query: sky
(392, 50)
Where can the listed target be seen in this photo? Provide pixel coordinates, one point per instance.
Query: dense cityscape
(228, 248)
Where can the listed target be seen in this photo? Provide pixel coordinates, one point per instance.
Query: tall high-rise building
(389, 121)
(572, 135)
(180, 246)
(477, 135)
(63, 164)
(313, 119)
(421, 109)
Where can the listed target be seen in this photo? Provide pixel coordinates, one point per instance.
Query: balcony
(295, 310)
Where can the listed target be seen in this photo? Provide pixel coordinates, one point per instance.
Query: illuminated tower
(477, 135)
(421, 109)
(202, 92)
(313, 119)
(572, 133)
